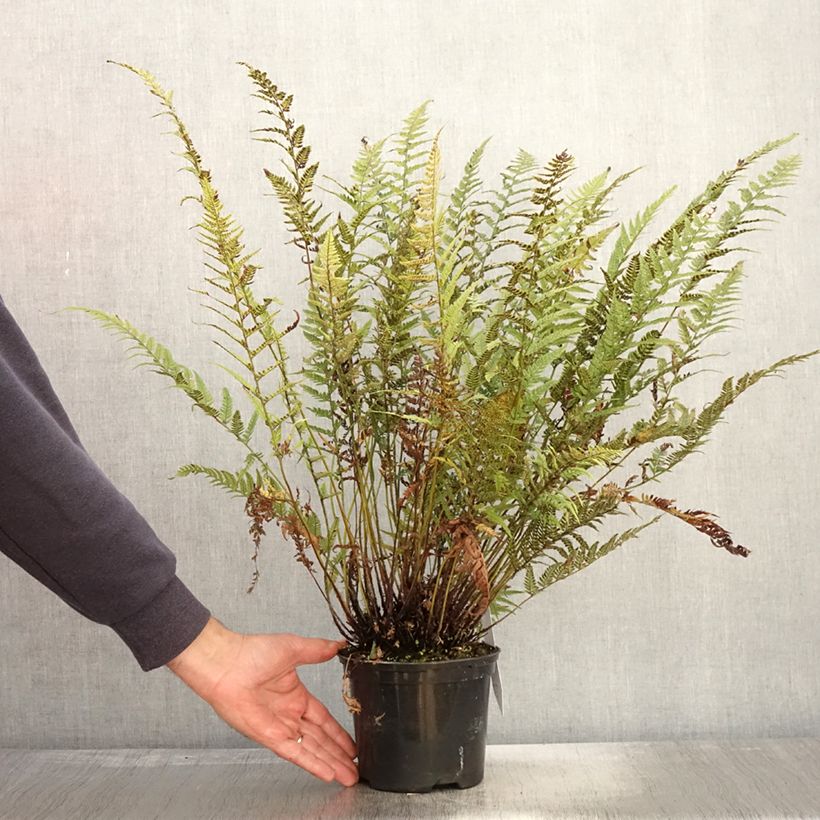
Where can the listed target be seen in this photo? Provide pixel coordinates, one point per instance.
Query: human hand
(250, 681)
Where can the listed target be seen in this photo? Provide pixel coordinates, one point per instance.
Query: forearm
(63, 521)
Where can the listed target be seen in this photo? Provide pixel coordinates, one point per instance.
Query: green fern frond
(407, 153)
(630, 233)
(160, 360)
(251, 328)
(302, 213)
(239, 483)
(697, 433)
(458, 213)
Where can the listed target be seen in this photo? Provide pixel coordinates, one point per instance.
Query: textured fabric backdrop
(667, 637)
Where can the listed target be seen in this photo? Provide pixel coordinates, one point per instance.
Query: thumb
(314, 650)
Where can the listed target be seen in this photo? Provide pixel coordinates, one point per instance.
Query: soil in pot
(420, 724)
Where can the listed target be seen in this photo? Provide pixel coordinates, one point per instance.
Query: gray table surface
(771, 778)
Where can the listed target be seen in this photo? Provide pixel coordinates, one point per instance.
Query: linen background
(666, 637)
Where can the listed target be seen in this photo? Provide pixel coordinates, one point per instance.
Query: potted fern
(480, 395)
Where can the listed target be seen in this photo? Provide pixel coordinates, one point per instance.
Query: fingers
(313, 650)
(305, 758)
(317, 713)
(317, 741)
(317, 753)
(311, 754)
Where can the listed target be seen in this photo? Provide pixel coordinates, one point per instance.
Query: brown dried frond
(259, 507)
(612, 490)
(419, 386)
(293, 528)
(469, 560)
(264, 505)
(415, 435)
(353, 705)
(351, 576)
(293, 324)
(387, 467)
(284, 447)
(701, 520)
(412, 440)
(444, 395)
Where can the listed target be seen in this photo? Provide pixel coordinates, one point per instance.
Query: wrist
(201, 663)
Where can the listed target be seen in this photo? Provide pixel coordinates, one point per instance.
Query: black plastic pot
(421, 724)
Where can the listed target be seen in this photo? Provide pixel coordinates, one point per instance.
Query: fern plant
(462, 412)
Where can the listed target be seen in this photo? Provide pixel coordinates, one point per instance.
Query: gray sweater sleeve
(64, 522)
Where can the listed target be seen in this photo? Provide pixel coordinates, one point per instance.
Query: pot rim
(345, 657)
